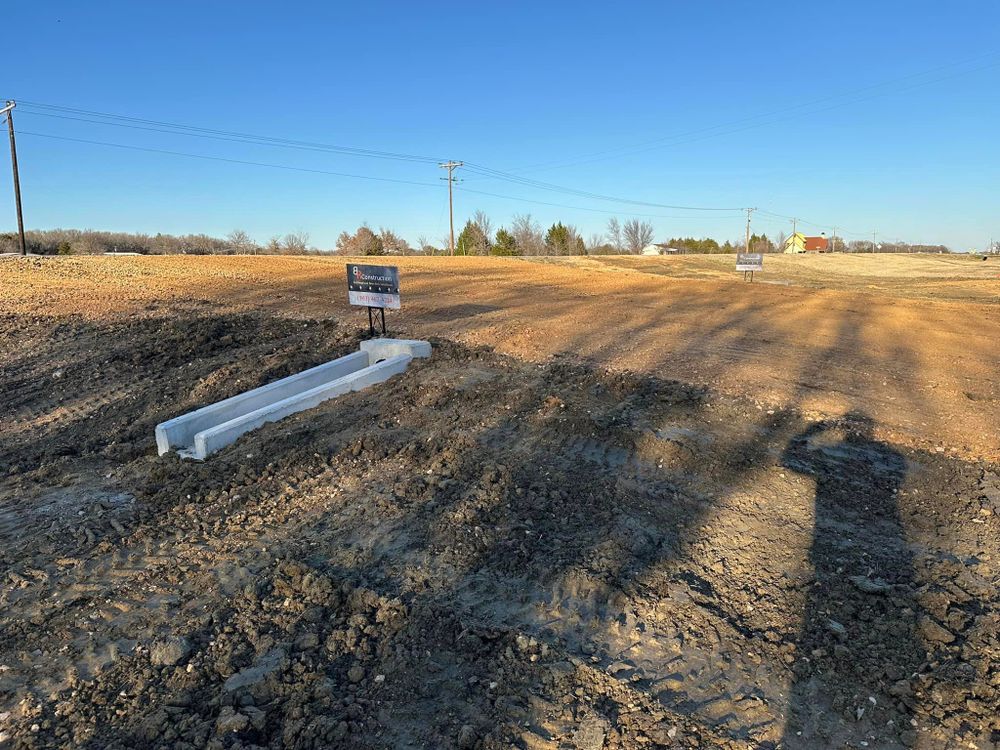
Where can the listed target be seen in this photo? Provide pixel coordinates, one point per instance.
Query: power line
(621, 212)
(234, 136)
(226, 159)
(774, 215)
(139, 123)
(343, 150)
(335, 174)
(616, 150)
(527, 182)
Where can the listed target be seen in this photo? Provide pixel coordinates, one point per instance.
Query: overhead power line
(349, 175)
(799, 220)
(171, 128)
(139, 123)
(225, 159)
(527, 182)
(624, 212)
(144, 124)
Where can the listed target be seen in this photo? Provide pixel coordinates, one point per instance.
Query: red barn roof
(816, 244)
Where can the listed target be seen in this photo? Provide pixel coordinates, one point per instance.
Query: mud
(480, 553)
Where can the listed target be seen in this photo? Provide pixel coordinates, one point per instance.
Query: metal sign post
(372, 317)
(374, 287)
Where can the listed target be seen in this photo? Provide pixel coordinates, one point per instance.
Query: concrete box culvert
(200, 433)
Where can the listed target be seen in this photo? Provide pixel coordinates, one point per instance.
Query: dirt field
(628, 503)
(958, 277)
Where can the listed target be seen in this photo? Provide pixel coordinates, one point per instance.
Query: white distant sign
(749, 261)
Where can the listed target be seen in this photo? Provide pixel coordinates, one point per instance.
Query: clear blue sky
(861, 115)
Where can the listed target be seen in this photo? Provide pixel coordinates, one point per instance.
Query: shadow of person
(858, 647)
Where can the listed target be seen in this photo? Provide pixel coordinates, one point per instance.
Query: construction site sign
(749, 262)
(373, 286)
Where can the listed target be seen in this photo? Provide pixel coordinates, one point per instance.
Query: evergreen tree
(505, 243)
(472, 241)
(563, 240)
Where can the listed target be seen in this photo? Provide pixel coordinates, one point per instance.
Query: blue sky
(857, 115)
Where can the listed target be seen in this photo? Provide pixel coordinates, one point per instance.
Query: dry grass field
(627, 503)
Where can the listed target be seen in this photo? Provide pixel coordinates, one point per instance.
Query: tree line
(92, 242)
(522, 236)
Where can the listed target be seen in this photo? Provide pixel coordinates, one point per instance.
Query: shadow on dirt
(457, 312)
(858, 480)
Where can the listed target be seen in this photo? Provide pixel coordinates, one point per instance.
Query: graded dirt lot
(620, 507)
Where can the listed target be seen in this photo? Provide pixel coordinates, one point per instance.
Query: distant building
(799, 243)
(659, 249)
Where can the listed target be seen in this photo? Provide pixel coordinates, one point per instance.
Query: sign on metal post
(374, 287)
(749, 261)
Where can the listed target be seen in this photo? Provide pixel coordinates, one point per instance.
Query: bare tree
(295, 243)
(392, 243)
(595, 241)
(485, 224)
(527, 235)
(637, 234)
(362, 242)
(241, 243)
(615, 234)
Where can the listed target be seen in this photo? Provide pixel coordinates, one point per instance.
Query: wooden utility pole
(833, 240)
(450, 166)
(794, 224)
(873, 240)
(8, 110)
(747, 244)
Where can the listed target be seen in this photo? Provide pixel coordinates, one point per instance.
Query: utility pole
(873, 240)
(450, 166)
(794, 223)
(833, 240)
(749, 212)
(8, 110)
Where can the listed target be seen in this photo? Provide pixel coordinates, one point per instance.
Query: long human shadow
(851, 644)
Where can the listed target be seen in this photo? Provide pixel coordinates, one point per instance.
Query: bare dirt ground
(957, 277)
(616, 509)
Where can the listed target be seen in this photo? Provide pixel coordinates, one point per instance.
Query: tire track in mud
(577, 610)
